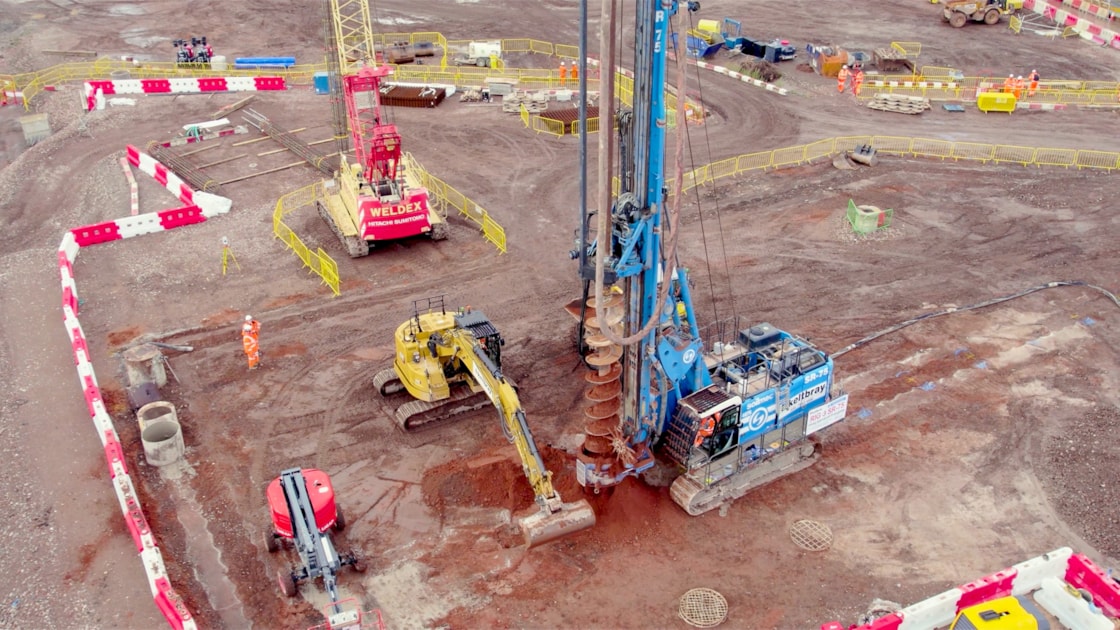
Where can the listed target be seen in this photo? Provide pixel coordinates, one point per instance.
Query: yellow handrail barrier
(318, 261)
(820, 150)
(442, 195)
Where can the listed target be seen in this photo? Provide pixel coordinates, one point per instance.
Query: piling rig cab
(450, 363)
(718, 421)
(370, 200)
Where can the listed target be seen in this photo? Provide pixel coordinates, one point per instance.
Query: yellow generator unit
(1005, 613)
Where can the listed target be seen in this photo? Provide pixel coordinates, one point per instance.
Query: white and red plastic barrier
(179, 85)
(1062, 564)
(936, 85)
(718, 69)
(1083, 27)
(202, 205)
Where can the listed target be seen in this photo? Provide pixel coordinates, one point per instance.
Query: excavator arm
(504, 398)
(555, 518)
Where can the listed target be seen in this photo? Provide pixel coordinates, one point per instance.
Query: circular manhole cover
(703, 608)
(811, 535)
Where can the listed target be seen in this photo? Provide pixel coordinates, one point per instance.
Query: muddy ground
(974, 440)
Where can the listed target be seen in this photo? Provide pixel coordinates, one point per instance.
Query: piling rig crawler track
(451, 363)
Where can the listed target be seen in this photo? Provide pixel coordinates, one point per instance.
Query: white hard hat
(248, 318)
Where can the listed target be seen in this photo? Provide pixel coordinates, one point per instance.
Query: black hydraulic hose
(991, 302)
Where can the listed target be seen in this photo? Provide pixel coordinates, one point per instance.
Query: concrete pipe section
(160, 433)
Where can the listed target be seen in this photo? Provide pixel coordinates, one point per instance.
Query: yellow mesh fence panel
(1107, 160)
(1055, 157)
(525, 115)
(938, 71)
(972, 151)
(318, 262)
(909, 49)
(566, 51)
(546, 125)
(441, 195)
(754, 161)
(1017, 155)
(922, 147)
(891, 145)
(540, 47)
(819, 149)
(788, 156)
(724, 168)
(849, 143)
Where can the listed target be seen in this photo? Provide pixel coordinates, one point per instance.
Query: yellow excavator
(450, 363)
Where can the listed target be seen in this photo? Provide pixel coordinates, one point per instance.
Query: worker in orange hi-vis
(842, 78)
(1017, 88)
(563, 74)
(250, 341)
(857, 80)
(1009, 84)
(1034, 77)
(575, 74)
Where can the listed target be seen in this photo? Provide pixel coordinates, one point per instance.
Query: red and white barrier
(133, 194)
(179, 85)
(1084, 27)
(1048, 574)
(212, 205)
(769, 87)
(1040, 106)
(166, 599)
(936, 85)
(201, 206)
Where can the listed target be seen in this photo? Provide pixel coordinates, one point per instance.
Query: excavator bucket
(543, 527)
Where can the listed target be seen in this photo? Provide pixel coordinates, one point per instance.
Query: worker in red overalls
(250, 341)
(563, 74)
(842, 78)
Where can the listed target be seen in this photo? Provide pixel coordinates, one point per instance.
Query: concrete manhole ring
(811, 535)
(703, 608)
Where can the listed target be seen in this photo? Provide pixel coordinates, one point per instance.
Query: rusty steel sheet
(409, 96)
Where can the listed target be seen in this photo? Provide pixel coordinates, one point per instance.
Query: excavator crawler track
(387, 382)
(418, 414)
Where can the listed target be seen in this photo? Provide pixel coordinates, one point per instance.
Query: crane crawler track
(355, 247)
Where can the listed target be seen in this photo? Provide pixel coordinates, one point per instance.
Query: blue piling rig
(655, 387)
